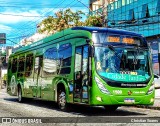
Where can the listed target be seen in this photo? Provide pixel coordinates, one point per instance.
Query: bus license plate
(129, 100)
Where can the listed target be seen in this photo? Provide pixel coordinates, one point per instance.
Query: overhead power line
(46, 15)
(25, 32)
(21, 15)
(33, 7)
(33, 21)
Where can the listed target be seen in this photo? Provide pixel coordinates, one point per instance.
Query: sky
(19, 18)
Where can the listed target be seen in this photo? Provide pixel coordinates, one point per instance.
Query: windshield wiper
(117, 54)
(113, 50)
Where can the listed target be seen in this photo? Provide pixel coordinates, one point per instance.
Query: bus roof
(54, 37)
(109, 30)
(75, 30)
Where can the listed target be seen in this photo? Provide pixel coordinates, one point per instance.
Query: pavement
(155, 106)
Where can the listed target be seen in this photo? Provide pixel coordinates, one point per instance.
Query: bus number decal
(117, 91)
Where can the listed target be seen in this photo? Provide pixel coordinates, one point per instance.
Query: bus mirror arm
(88, 41)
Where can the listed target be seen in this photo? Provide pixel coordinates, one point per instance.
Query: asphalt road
(78, 115)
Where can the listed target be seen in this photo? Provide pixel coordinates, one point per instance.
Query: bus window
(21, 61)
(29, 65)
(78, 68)
(85, 65)
(65, 54)
(50, 62)
(14, 65)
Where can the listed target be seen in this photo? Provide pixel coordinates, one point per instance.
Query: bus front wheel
(62, 104)
(111, 108)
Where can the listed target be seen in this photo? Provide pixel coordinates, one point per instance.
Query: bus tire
(111, 108)
(61, 100)
(20, 98)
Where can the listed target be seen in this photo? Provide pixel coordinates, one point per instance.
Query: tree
(94, 21)
(62, 20)
(67, 19)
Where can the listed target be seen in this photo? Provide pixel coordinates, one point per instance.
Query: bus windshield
(122, 64)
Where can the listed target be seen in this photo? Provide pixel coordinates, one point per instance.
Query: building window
(158, 7)
(131, 1)
(127, 1)
(123, 2)
(145, 11)
(119, 3)
(115, 5)
(131, 15)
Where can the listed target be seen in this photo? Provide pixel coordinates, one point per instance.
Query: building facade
(142, 16)
(99, 7)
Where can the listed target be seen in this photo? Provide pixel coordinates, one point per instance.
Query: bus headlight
(151, 89)
(101, 86)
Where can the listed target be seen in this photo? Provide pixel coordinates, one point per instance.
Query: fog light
(99, 99)
(152, 100)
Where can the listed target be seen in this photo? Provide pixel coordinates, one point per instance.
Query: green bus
(84, 65)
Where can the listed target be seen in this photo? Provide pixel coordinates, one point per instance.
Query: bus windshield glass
(122, 63)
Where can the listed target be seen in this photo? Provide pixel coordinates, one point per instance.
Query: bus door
(37, 76)
(81, 75)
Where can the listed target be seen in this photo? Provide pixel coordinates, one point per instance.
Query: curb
(148, 107)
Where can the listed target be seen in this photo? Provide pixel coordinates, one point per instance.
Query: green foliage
(64, 19)
(94, 21)
(67, 19)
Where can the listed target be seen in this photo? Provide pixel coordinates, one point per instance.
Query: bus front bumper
(123, 100)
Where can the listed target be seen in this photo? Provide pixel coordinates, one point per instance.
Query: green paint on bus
(84, 65)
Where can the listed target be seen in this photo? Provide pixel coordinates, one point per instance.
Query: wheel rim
(62, 100)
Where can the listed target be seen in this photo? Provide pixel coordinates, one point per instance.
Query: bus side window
(85, 66)
(21, 62)
(78, 68)
(14, 65)
(65, 56)
(49, 62)
(29, 65)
